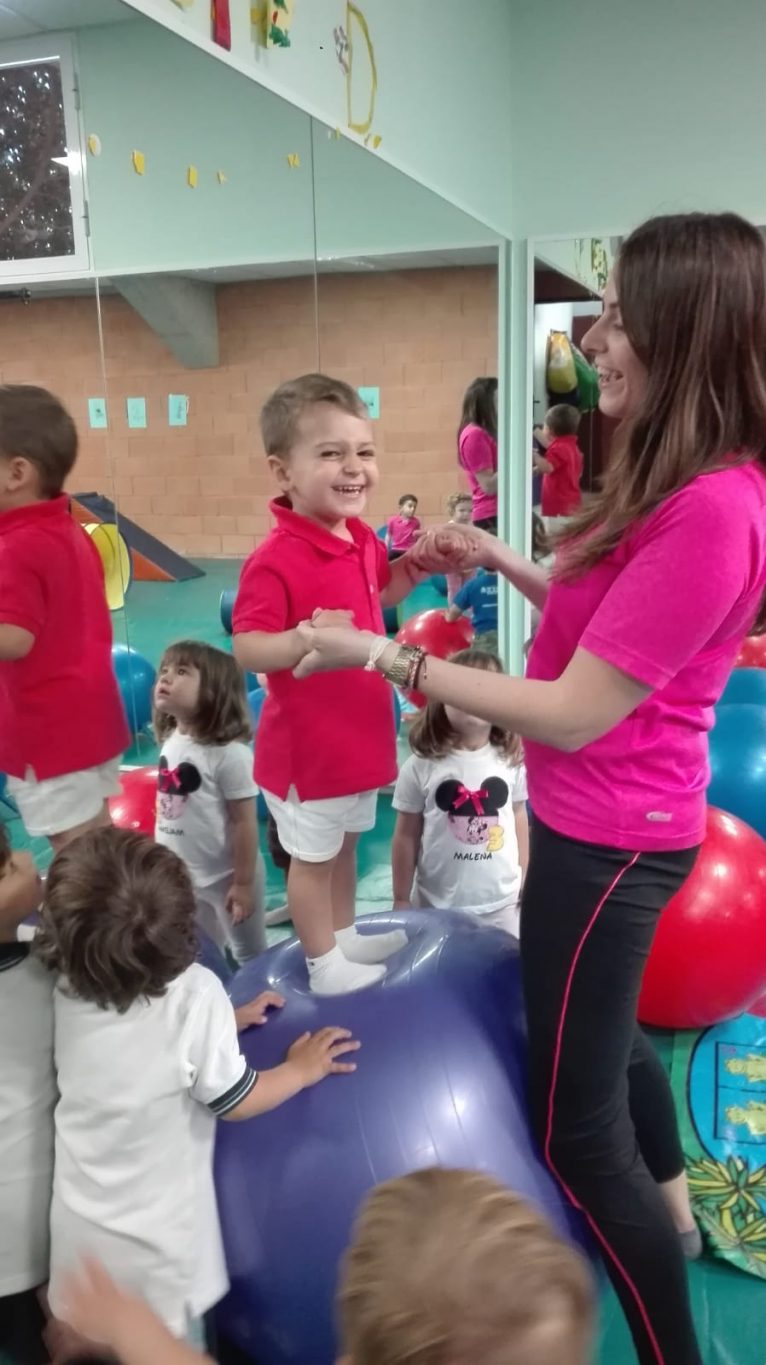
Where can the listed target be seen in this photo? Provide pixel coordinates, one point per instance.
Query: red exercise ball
(708, 959)
(135, 807)
(752, 652)
(436, 635)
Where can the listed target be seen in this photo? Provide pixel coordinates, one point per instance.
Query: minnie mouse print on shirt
(194, 782)
(469, 854)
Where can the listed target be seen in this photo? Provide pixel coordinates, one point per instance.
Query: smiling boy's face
(331, 467)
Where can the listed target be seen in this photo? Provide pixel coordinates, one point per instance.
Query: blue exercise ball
(738, 763)
(226, 607)
(397, 710)
(135, 679)
(381, 532)
(210, 955)
(745, 685)
(440, 1081)
(439, 583)
(255, 700)
(391, 620)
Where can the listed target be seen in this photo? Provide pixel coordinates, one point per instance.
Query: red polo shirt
(561, 494)
(331, 734)
(60, 709)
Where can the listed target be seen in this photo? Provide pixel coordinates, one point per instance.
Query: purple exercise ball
(440, 1081)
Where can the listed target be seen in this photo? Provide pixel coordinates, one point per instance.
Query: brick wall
(421, 336)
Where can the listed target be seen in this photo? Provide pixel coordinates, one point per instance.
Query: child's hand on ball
(315, 1055)
(255, 1011)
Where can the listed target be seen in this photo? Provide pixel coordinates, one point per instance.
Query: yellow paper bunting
(139, 162)
(293, 160)
(191, 177)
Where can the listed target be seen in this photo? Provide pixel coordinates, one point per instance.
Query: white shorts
(313, 831)
(60, 803)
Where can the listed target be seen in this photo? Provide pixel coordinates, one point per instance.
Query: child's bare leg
(99, 821)
(310, 901)
(356, 947)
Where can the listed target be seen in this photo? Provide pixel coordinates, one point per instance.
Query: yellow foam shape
(115, 560)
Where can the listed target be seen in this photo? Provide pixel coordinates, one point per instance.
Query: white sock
(369, 947)
(333, 974)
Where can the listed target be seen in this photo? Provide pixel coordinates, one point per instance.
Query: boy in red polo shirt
(560, 466)
(325, 743)
(62, 728)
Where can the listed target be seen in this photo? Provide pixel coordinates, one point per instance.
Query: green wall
(144, 89)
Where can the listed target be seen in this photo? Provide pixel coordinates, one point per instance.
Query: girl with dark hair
(477, 450)
(206, 794)
(654, 586)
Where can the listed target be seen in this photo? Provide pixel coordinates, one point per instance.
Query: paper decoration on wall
(334, 134)
(342, 48)
(135, 411)
(220, 177)
(97, 414)
(362, 74)
(139, 162)
(94, 144)
(371, 399)
(592, 263)
(221, 23)
(280, 17)
(373, 140)
(178, 409)
(293, 160)
(191, 177)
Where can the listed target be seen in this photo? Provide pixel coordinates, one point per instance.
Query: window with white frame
(42, 203)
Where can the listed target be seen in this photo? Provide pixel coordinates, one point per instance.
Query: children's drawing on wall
(271, 20)
(357, 58)
(593, 262)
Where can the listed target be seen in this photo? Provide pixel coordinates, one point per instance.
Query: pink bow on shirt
(475, 798)
(169, 781)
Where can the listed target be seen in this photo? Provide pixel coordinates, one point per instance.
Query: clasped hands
(330, 639)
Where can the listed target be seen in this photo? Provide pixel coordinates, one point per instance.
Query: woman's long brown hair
(692, 296)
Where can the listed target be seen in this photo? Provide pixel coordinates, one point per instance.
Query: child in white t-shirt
(148, 1058)
(461, 840)
(206, 798)
(27, 1099)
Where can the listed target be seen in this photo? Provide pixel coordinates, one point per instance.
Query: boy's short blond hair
(454, 500)
(448, 1267)
(281, 412)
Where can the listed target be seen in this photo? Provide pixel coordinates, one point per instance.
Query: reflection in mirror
(570, 438)
(49, 325)
(202, 220)
(407, 296)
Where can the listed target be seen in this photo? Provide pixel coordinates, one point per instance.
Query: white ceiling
(25, 18)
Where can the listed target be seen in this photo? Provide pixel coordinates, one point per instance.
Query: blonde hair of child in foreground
(445, 1267)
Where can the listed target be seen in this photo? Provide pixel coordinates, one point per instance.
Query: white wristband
(376, 649)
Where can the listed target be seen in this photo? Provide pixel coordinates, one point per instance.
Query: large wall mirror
(186, 242)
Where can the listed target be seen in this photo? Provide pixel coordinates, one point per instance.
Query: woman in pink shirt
(477, 450)
(654, 586)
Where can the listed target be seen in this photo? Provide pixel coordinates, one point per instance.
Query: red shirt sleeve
(556, 454)
(22, 591)
(261, 602)
(673, 595)
(478, 450)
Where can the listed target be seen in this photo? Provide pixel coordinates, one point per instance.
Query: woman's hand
(449, 549)
(332, 647)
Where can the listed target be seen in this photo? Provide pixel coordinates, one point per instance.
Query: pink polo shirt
(477, 450)
(669, 607)
(331, 734)
(402, 531)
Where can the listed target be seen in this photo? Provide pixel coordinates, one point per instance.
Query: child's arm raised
(311, 1057)
(405, 847)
